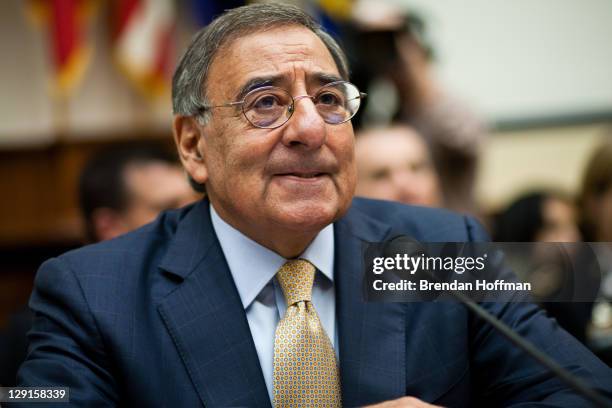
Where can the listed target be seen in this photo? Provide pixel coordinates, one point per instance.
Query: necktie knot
(296, 278)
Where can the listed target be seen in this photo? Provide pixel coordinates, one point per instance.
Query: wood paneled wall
(39, 192)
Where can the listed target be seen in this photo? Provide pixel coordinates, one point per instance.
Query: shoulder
(138, 250)
(100, 282)
(423, 223)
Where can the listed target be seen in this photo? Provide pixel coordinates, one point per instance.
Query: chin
(309, 216)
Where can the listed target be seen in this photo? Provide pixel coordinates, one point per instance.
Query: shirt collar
(252, 265)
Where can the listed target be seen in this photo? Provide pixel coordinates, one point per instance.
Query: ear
(190, 142)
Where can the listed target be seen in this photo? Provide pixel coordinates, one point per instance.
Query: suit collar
(372, 335)
(192, 240)
(204, 316)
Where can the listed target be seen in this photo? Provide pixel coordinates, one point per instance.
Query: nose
(404, 183)
(401, 178)
(306, 127)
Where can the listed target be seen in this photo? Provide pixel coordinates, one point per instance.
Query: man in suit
(253, 296)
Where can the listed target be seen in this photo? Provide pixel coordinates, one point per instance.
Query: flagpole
(61, 117)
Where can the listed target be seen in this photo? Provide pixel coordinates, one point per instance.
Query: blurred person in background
(538, 217)
(395, 66)
(595, 201)
(125, 187)
(596, 195)
(121, 188)
(394, 163)
(548, 216)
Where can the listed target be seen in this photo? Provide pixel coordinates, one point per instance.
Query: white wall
(555, 158)
(522, 59)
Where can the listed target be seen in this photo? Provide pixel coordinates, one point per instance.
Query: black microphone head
(403, 244)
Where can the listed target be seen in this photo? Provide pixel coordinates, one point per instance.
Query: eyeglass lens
(271, 107)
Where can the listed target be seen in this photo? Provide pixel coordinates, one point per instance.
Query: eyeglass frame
(291, 107)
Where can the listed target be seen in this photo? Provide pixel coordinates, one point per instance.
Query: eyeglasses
(270, 107)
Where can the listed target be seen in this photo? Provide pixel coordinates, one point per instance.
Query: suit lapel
(206, 320)
(372, 335)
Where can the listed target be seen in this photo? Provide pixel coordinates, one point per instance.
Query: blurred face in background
(153, 188)
(395, 164)
(559, 222)
(150, 188)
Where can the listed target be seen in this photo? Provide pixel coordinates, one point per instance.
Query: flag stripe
(124, 12)
(66, 21)
(143, 46)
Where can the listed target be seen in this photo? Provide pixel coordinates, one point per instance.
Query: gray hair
(189, 80)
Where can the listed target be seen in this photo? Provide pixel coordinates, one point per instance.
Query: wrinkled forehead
(280, 56)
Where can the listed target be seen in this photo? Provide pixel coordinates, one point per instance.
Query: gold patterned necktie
(305, 370)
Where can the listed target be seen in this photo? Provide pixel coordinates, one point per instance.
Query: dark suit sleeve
(66, 348)
(505, 375)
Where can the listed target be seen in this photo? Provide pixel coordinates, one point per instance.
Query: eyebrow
(324, 79)
(320, 78)
(255, 83)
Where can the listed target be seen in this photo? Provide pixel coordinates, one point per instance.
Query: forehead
(152, 179)
(286, 54)
(391, 139)
(384, 146)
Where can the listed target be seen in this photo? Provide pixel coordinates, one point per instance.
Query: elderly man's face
(300, 176)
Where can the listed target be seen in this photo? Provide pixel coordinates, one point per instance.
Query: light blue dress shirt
(253, 268)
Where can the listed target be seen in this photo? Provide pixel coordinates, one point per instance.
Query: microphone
(403, 244)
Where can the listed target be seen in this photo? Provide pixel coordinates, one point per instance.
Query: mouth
(303, 179)
(305, 176)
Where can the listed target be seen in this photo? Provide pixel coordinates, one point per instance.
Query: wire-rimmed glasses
(270, 107)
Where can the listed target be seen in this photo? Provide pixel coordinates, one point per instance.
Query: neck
(287, 249)
(290, 244)
(287, 242)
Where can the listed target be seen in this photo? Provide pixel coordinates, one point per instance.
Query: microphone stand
(576, 383)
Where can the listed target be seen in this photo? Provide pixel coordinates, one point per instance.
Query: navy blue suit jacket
(153, 319)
